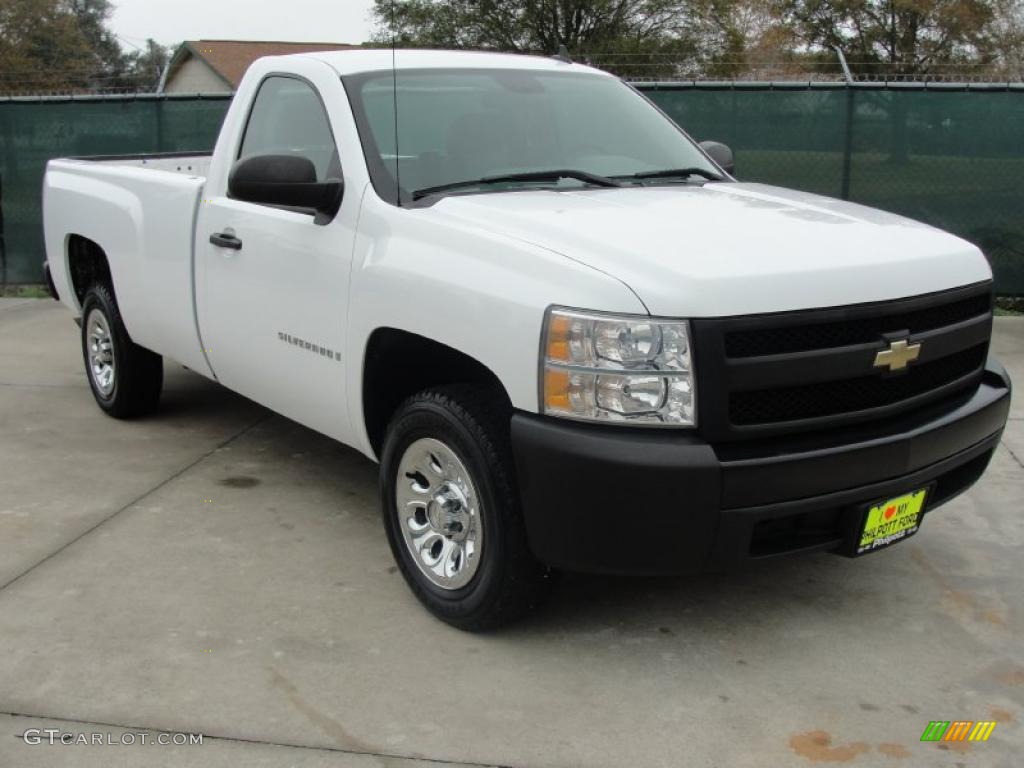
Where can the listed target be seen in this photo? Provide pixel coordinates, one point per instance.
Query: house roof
(230, 58)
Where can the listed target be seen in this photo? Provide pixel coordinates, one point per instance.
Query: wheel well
(87, 264)
(398, 364)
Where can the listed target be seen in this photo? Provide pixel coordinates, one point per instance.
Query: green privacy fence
(949, 155)
(33, 131)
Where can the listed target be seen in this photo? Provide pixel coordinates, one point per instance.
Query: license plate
(891, 521)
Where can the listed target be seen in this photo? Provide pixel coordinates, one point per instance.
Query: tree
(746, 36)
(41, 47)
(1009, 40)
(65, 45)
(900, 37)
(639, 37)
(91, 17)
(145, 66)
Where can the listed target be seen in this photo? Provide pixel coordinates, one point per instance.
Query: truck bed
(142, 209)
(187, 163)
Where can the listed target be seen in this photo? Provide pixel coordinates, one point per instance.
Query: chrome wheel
(439, 513)
(100, 352)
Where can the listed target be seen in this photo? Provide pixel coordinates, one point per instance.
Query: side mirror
(286, 180)
(721, 154)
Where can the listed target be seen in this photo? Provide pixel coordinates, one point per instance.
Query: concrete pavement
(220, 570)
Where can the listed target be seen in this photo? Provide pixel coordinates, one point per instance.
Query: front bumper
(616, 500)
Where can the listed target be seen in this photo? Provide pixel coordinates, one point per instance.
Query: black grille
(813, 401)
(800, 338)
(785, 373)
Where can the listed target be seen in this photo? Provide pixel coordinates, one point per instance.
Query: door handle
(222, 240)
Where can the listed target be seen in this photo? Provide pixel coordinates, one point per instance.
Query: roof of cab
(358, 60)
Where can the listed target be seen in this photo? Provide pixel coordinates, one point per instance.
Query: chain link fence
(34, 130)
(825, 66)
(947, 154)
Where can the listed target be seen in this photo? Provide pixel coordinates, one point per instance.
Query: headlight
(629, 370)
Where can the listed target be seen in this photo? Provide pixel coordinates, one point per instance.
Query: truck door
(272, 283)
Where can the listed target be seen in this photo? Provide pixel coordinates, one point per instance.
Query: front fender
(470, 288)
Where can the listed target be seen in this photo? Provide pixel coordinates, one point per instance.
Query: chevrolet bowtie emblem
(898, 355)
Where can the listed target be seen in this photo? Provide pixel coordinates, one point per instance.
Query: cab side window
(288, 118)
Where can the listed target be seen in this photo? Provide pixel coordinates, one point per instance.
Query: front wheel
(452, 512)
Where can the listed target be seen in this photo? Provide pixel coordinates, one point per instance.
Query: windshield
(462, 125)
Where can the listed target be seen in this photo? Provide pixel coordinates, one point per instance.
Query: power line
(126, 40)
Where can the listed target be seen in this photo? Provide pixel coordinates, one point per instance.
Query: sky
(171, 21)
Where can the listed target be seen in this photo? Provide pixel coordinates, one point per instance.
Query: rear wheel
(125, 379)
(452, 512)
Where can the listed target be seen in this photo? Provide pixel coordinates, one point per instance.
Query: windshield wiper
(674, 173)
(584, 176)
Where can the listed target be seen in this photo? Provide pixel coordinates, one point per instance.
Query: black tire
(138, 374)
(509, 581)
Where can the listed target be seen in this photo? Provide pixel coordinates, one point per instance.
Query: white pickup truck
(570, 337)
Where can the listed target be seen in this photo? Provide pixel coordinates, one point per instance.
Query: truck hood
(731, 248)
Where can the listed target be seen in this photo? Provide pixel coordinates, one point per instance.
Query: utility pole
(843, 64)
(844, 183)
